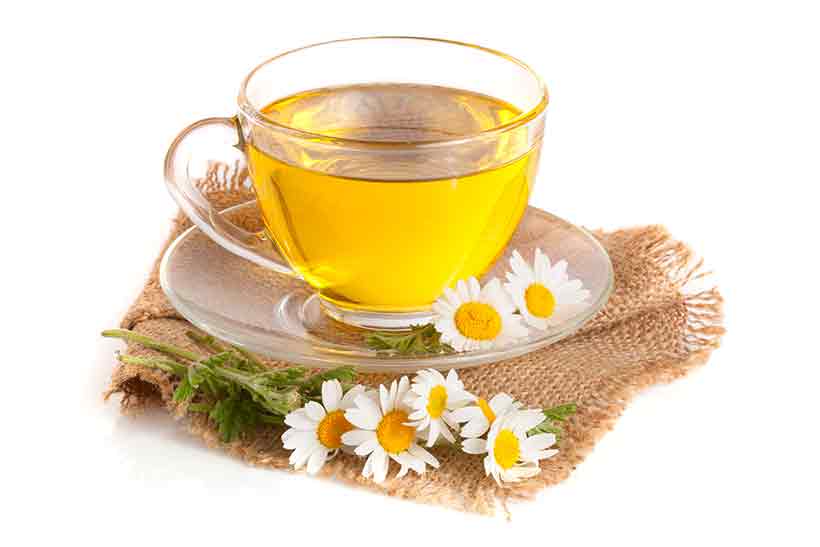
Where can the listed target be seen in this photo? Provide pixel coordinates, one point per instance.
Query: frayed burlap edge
(700, 333)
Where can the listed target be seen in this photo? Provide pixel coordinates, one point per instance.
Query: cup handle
(193, 150)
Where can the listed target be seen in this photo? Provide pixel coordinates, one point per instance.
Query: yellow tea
(390, 232)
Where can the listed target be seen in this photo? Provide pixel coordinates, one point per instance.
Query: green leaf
(233, 416)
(313, 385)
(184, 391)
(281, 378)
(561, 412)
(555, 414)
(200, 407)
(422, 339)
(217, 359)
(236, 390)
(546, 427)
(240, 358)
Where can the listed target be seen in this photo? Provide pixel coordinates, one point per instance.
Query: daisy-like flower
(479, 417)
(511, 455)
(433, 398)
(316, 430)
(471, 317)
(544, 294)
(382, 432)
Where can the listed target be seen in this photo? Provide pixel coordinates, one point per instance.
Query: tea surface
(387, 234)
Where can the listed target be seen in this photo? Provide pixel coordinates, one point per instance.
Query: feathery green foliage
(421, 340)
(236, 390)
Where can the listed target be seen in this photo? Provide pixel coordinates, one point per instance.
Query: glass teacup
(385, 169)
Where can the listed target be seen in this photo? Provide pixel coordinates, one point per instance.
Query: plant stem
(251, 358)
(206, 341)
(169, 349)
(239, 377)
(199, 407)
(153, 362)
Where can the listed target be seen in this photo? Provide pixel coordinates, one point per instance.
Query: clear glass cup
(397, 188)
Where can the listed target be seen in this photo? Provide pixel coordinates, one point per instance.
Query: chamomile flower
(471, 317)
(479, 417)
(433, 398)
(382, 432)
(315, 433)
(511, 455)
(544, 294)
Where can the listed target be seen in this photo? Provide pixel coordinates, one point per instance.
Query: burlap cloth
(655, 328)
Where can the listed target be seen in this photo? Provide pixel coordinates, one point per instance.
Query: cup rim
(253, 114)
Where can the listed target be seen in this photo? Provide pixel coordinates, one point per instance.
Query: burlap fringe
(673, 260)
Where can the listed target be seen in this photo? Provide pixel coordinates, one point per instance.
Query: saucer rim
(330, 354)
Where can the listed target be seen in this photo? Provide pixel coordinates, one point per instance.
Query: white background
(701, 115)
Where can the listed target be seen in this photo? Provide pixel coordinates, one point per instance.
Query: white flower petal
(536, 455)
(380, 464)
(423, 455)
(418, 414)
(535, 322)
(494, 295)
(539, 442)
(294, 438)
(466, 414)
(474, 446)
(458, 398)
(366, 447)
(401, 391)
(432, 435)
(316, 461)
(442, 308)
(300, 456)
(518, 472)
(446, 433)
(367, 470)
(558, 274)
(463, 291)
(358, 436)
(452, 298)
(452, 379)
(369, 406)
(385, 398)
(475, 427)
(403, 469)
(298, 419)
(447, 418)
(541, 265)
(450, 335)
(290, 433)
(435, 377)
(475, 288)
(488, 467)
(513, 328)
(349, 399)
(409, 461)
(527, 419)
(521, 268)
(331, 394)
(315, 411)
(363, 419)
(500, 403)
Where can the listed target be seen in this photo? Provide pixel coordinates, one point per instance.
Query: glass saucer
(280, 317)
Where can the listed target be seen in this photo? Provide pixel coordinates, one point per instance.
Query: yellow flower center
(540, 300)
(437, 401)
(485, 408)
(331, 429)
(506, 449)
(478, 321)
(392, 434)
